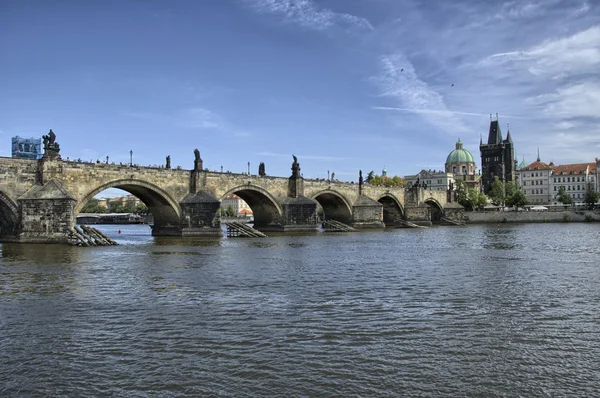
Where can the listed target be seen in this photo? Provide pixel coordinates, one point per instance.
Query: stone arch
(165, 210)
(435, 208)
(392, 209)
(9, 216)
(265, 208)
(335, 206)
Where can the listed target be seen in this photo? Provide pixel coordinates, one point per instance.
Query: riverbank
(494, 217)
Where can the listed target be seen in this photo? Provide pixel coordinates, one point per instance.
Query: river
(481, 311)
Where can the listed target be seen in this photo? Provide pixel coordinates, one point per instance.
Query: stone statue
(197, 160)
(332, 176)
(296, 168)
(261, 169)
(360, 182)
(51, 147)
(168, 166)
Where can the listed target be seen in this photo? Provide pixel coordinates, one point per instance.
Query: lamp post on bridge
(130, 158)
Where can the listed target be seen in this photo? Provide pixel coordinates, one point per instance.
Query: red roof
(578, 168)
(537, 165)
(245, 211)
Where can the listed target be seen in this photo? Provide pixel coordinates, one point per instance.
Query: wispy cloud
(308, 15)
(399, 80)
(558, 58)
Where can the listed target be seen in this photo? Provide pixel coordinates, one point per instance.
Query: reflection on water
(500, 310)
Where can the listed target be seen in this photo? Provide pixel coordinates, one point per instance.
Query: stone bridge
(40, 199)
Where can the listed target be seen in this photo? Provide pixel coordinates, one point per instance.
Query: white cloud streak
(308, 15)
(399, 80)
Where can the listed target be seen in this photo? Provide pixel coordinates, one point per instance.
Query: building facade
(26, 148)
(576, 178)
(461, 165)
(534, 179)
(541, 181)
(431, 179)
(497, 157)
(239, 206)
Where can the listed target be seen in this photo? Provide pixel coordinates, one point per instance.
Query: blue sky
(342, 84)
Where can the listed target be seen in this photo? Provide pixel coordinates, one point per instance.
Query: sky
(345, 85)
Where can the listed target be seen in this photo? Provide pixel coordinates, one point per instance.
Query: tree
(517, 199)
(478, 199)
(463, 195)
(515, 195)
(140, 209)
(496, 193)
(93, 206)
(563, 197)
(386, 181)
(229, 212)
(591, 197)
(370, 177)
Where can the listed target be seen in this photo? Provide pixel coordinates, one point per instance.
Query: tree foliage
(515, 197)
(563, 197)
(591, 197)
(93, 206)
(478, 199)
(386, 181)
(496, 193)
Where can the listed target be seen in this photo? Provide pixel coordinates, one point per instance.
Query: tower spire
(538, 158)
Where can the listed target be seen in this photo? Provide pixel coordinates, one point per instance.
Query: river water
(481, 311)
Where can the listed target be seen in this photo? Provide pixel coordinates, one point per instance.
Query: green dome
(460, 155)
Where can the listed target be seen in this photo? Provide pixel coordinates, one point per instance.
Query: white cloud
(563, 57)
(399, 80)
(307, 14)
(578, 100)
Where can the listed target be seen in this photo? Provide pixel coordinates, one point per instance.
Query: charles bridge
(40, 199)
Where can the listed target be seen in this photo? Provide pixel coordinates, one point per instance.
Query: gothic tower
(497, 157)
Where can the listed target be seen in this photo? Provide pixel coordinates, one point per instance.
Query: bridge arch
(265, 208)
(165, 210)
(392, 209)
(9, 216)
(436, 209)
(335, 206)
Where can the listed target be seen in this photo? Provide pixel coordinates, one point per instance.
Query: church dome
(459, 155)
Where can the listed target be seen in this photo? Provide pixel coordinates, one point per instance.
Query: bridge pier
(200, 216)
(47, 214)
(367, 213)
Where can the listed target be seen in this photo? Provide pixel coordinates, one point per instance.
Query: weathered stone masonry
(40, 199)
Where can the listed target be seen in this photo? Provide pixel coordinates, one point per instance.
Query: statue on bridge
(197, 160)
(51, 147)
(296, 168)
(261, 169)
(360, 182)
(168, 165)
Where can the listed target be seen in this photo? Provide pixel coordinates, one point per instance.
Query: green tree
(463, 195)
(140, 209)
(386, 181)
(92, 206)
(515, 195)
(229, 212)
(591, 197)
(477, 199)
(370, 177)
(496, 193)
(563, 197)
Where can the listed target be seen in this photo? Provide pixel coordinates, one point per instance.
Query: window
(554, 179)
(532, 174)
(536, 173)
(555, 189)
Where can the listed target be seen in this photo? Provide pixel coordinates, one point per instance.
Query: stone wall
(531, 216)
